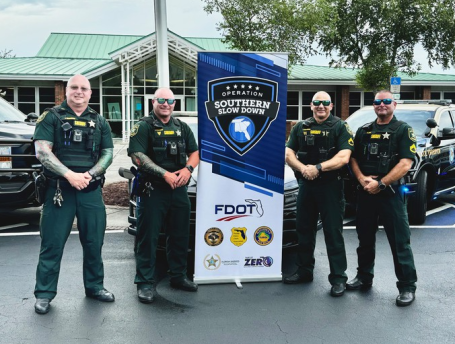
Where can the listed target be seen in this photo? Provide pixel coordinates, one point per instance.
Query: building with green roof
(123, 74)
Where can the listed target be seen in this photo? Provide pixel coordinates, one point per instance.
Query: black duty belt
(65, 184)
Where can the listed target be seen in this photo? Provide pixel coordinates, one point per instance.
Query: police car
(290, 199)
(17, 157)
(433, 171)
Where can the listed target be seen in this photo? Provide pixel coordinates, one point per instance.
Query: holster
(40, 187)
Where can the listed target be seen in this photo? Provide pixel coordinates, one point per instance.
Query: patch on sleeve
(348, 129)
(411, 134)
(41, 117)
(413, 149)
(351, 142)
(134, 130)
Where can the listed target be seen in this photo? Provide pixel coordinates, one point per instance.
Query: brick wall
(59, 92)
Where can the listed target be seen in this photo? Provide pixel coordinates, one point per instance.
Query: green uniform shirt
(342, 134)
(48, 124)
(142, 135)
(405, 139)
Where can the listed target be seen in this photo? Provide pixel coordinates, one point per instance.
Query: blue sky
(26, 24)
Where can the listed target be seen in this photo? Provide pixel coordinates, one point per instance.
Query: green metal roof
(48, 66)
(71, 53)
(83, 46)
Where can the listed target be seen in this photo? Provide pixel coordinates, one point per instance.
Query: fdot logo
(252, 207)
(259, 262)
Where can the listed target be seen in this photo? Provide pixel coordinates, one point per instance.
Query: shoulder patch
(348, 129)
(42, 116)
(411, 134)
(134, 130)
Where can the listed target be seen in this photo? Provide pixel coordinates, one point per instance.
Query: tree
(267, 25)
(5, 54)
(378, 37)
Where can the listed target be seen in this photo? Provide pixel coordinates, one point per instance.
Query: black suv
(433, 171)
(291, 189)
(17, 157)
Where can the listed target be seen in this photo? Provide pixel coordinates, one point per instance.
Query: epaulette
(395, 125)
(308, 122)
(332, 122)
(368, 126)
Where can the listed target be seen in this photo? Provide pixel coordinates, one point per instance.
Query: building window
(9, 93)
(449, 95)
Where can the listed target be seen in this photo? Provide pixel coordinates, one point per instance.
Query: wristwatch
(319, 168)
(381, 185)
(190, 168)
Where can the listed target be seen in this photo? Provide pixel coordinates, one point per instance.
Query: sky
(26, 24)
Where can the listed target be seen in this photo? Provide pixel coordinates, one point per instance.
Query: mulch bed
(116, 194)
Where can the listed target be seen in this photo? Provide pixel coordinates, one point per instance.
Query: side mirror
(431, 123)
(448, 133)
(31, 117)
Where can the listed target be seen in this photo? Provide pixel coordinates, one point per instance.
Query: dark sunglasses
(161, 101)
(324, 102)
(386, 101)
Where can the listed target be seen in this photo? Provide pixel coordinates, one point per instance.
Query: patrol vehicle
(291, 189)
(17, 157)
(433, 171)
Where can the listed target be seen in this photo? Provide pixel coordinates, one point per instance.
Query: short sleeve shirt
(405, 138)
(143, 134)
(48, 125)
(342, 134)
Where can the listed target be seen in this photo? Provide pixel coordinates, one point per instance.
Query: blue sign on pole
(395, 80)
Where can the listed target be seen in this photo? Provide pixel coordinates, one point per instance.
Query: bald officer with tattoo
(160, 146)
(74, 144)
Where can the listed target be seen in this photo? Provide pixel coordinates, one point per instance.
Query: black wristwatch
(190, 168)
(319, 168)
(381, 185)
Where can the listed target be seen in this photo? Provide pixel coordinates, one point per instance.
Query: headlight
(5, 162)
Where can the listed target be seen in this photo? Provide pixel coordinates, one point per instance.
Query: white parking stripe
(14, 226)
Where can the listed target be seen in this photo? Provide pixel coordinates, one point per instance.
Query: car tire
(418, 202)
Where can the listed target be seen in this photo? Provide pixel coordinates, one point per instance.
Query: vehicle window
(445, 121)
(415, 118)
(9, 112)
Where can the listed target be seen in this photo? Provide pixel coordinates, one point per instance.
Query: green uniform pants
(168, 209)
(391, 209)
(55, 225)
(327, 199)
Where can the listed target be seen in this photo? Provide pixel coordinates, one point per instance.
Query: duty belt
(65, 184)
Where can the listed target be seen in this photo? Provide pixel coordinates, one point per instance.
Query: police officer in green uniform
(317, 149)
(75, 146)
(159, 146)
(384, 152)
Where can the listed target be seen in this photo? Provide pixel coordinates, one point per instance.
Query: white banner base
(237, 280)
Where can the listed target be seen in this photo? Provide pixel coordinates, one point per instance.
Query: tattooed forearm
(103, 163)
(146, 164)
(48, 159)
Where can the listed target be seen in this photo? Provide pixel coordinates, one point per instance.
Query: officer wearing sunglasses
(384, 152)
(317, 149)
(165, 151)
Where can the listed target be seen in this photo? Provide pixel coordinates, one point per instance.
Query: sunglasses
(324, 102)
(386, 101)
(161, 101)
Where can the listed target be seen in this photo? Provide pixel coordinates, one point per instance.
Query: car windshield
(415, 118)
(9, 112)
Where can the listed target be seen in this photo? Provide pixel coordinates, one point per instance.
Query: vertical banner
(242, 132)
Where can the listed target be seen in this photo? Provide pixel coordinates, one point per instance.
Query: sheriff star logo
(91, 124)
(178, 132)
(386, 136)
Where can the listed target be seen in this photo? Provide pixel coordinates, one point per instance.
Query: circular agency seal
(212, 261)
(213, 236)
(263, 236)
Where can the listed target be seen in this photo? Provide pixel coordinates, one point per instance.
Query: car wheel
(417, 203)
